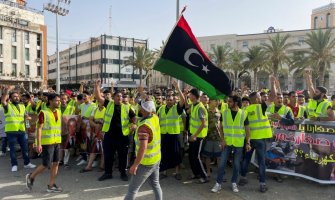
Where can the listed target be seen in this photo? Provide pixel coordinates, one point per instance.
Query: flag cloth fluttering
(183, 58)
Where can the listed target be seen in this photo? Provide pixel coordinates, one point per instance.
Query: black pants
(195, 160)
(111, 144)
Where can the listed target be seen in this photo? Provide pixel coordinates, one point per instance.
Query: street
(85, 186)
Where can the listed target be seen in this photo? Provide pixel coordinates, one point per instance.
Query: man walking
(148, 153)
(48, 140)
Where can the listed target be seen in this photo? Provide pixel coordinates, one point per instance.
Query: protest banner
(306, 149)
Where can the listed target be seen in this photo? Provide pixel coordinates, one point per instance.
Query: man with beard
(15, 115)
(169, 118)
(116, 127)
(159, 100)
(319, 109)
(297, 110)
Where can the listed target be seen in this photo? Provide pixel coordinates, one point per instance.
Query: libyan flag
(183, 58)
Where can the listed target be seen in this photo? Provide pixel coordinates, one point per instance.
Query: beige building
(322, 18)
(23, 45)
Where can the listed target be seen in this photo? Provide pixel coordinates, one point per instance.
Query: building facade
(98, 58)
(321, 18)
(23, 45)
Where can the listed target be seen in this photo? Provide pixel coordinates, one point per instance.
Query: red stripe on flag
(182, 23)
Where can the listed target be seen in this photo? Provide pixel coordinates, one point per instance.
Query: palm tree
(276, 51)
(321, 53)
(220, 56)
(235, 64)
(256, 61)
(142, 60)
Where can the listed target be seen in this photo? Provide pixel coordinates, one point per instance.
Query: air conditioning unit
(1, 56)
(38, 60)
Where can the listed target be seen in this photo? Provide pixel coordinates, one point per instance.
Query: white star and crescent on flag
(187, 56)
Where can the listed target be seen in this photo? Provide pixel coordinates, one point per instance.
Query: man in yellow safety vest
(48, 141)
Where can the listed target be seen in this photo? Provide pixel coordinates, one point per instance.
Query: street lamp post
(58, 8)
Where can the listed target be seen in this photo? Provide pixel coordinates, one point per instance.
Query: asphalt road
(85, 186)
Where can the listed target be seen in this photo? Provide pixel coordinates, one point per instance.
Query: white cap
(148, 106)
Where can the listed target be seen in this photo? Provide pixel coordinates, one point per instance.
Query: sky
(154, 19)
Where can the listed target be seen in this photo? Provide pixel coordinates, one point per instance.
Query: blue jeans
(143, 173)
(237, 160)
(260, 147)
(22, 139)
(4, 144)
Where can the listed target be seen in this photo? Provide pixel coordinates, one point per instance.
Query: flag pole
(167, 39)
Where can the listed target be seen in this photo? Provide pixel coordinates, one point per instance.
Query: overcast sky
(154, 19)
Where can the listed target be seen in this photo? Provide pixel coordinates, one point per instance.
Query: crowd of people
(147, 134)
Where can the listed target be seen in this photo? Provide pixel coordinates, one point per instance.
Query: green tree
(256, 61)
(235, 64)
(320, 55)
(220, 56)
(277, 51)
(142, 60)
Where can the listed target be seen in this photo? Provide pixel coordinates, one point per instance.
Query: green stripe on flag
(182, 73)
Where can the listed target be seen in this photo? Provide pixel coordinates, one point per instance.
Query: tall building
(98, 58)
(23, 45)
(321, 18)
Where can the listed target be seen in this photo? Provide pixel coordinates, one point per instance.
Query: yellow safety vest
(99, 114)
(41, 104)
(282, 111)
(224, 106)
(15, 118)
(29, 109)
(169, 122)
(51, 131)
(315, 110)
(259, 124)
(69, 110)
(153, 152)
(195, 121)
(234, 130)
(89, 110)
(124, 118)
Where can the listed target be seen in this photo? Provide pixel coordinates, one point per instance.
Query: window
(1, 32)
(228, 44)
(27, 70)
(315, 22)
(26, 37)
(1, 67)
(245, 44)
(1, 51)
(328, 20)
(38, 53)
(301, 40)
(27, 54)
(38, 39)
(14, 52)
(39, 71)
(14, 72)
(14, 35)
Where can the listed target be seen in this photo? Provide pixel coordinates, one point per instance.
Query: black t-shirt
(233, 115)
(179, 109)
(115, 127)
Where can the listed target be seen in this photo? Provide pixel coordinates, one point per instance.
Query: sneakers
(14, 168)
(243, 181)
(234, 187)
(79, 158)
(105, 177)
(29, 182)
(82, 162)
(95, 164)
(29, 166)
(262, 188)
(202, 181)
(2, 154)
(54, 189)
(217, 187)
